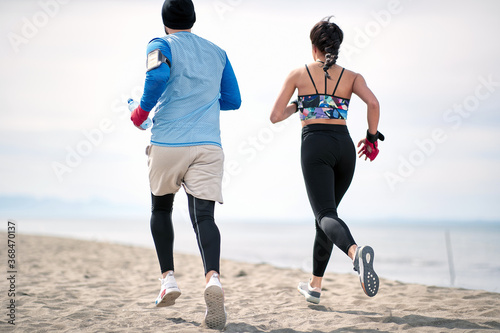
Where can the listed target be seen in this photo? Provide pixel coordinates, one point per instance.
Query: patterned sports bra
(323, 106)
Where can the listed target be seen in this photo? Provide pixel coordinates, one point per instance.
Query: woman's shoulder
(297, 72)
(303, 68)
(301, 73)
(350, 76)
(349, 72)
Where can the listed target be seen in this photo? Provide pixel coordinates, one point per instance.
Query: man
(189, 80)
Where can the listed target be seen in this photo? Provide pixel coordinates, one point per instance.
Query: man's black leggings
(202, 217)
(328, 159)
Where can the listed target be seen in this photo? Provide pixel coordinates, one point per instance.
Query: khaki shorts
(199, 169)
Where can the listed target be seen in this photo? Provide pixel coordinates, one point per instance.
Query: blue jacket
(189, 95)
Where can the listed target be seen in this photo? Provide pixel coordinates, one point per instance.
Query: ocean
(463, 255)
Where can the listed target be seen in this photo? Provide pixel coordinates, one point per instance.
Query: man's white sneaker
(215, 316)
(169, 291)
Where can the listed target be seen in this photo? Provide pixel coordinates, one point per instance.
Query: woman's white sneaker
(311, 294)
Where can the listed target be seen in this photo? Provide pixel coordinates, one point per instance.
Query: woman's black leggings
(328, 160)
(202, 217)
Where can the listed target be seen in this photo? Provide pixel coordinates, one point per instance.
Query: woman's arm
(369, 146)
(281, 109)
(360, 88)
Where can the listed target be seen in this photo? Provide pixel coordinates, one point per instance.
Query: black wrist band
(374, 137)
(296, 105)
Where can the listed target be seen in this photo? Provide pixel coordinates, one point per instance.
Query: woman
(328, 154)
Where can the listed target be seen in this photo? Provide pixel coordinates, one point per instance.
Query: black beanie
(178, 14)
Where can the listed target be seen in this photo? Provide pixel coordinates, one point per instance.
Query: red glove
(370, 145)
(369, 149)
(139, 116)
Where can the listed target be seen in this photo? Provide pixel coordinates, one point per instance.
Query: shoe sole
(215, 317)
(308, 297)
(169, 299)
(367, 276)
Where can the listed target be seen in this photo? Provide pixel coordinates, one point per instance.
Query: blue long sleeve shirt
(190, 94)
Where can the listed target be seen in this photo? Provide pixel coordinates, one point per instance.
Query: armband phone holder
(155, 59)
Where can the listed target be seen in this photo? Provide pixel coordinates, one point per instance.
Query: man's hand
(138, 117)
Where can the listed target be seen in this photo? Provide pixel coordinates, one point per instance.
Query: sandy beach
(66, 285)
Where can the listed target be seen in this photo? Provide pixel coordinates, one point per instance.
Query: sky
(68, 67)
